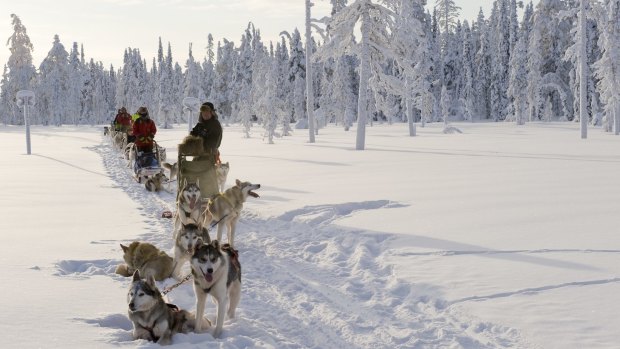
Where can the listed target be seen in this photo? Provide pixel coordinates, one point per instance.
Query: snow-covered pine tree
(221, 90)
(193, 82)
(53, 82)
(242, 79)
(517, 87)
(19, 73)
(76, 72)
(167, 100)
(375, 34)
(607, 67)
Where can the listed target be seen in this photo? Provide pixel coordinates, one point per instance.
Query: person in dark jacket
(209, 129)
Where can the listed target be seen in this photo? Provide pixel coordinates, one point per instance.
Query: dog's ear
(125, 248)
(199, 244)
(198, 182)
(150, 280)
(205, 233)
(216, 244)
(136, 275)
(238, 182)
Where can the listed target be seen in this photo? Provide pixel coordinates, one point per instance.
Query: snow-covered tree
(52, 89)
(517, 88)
(19, 73)
(607, 68)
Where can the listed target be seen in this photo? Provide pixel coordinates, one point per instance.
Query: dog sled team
(202, 202)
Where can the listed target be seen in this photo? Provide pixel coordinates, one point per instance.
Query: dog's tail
(167, 166)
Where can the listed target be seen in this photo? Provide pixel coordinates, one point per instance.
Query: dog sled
(195, 165)
(148, 164)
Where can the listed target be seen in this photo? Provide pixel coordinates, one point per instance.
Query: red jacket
(144, 130)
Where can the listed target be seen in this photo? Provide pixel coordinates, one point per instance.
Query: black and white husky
(216, 271)
(152, 318)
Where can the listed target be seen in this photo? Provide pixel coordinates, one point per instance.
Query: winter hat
(206, 105)
(142, 111)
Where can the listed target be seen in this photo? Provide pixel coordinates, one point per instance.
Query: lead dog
(186, 239)
(216, 271)
(225, 208)
(152, 318)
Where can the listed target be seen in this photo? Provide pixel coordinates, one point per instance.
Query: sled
(148, 164)
(196, 165)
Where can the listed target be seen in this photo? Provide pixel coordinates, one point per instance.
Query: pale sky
(107, 27)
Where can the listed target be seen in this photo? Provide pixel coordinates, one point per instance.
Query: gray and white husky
(189, 202)
(225, 208)
(216, 271)
(186, 239)
(221, 171)
(152, 318)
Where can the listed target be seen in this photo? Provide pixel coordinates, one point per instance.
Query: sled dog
(131, 153)
(189, 204)
(221, 171)
(216, 271)
(173, 168)
(152, 318)
(186, 240)
(106, 130)
(120, 140)
(146, 258)
(225, 208)
(155, 182)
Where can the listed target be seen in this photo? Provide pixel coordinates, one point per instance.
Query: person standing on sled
(210, 130)
(144, 130)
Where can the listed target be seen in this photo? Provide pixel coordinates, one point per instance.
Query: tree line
(407, 65)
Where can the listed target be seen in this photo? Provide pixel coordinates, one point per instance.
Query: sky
(503, 236)
(107, 27)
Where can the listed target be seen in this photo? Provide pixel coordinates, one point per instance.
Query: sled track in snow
(309, 284)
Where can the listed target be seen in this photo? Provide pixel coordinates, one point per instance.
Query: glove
(204, 133)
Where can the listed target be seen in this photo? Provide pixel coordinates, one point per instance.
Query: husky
(216, 271)
(152, 318)
(120, 140)
(131, 153)
(221, 171)
(189, 204)
(155, 182)
(174, 172)
(225, 208)
(106, 130)
(146, 258)
(186, 240)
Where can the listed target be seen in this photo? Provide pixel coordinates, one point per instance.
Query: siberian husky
(189, 204)
(173, 168)
(130, 154)
(155, 182)
(106, 130)
(146, 258)
(216, 271)
(221, 171)
(152, 318)
(225, 208)
(186, 240)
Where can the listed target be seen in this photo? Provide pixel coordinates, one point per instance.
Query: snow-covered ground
(500, 237)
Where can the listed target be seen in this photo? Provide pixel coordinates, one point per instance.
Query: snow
(503, 236)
